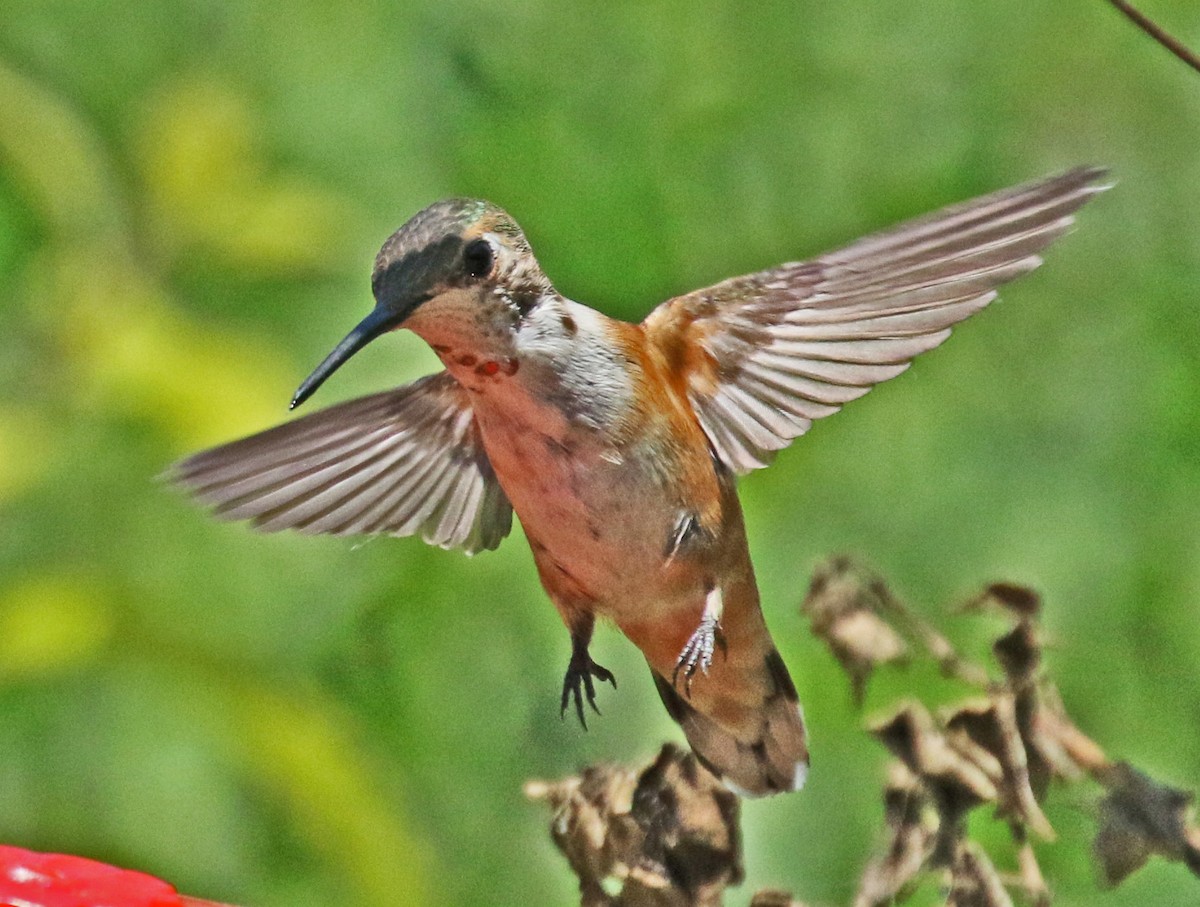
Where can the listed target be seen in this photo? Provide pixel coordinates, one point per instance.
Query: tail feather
(767, 755)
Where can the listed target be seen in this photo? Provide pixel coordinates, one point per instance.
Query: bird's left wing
(762, 356)
(401, 462)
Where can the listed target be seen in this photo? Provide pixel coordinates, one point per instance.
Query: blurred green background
(191, 194)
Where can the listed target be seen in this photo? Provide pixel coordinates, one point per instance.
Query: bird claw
(577, 683)
(698, 652)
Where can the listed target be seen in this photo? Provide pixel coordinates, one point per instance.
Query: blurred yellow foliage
(57, 160)
(50, 624)
(26, 449)
(209, 183)
(307, 752)
(129, 350)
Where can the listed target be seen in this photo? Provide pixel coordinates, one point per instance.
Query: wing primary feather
(780, 422)
(925, 320)
(392, 510)
(467, 497)
(988, 235)
(402, 461)
(334, 509)
(1075, 187)
(885, 351)
(917, 291)
(786, 387)
(262, 491)
(236, 465)
(828, 371)
(794, 343)
(325, 427)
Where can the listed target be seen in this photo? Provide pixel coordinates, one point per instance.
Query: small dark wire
(1150, 27)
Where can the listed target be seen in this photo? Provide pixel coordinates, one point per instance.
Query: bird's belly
(598, 519)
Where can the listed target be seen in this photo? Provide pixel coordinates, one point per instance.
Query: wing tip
(183, 473)
(1086, 179)
(1092, 172)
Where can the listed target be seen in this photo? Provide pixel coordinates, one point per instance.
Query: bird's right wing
(762, 356)
(405, 461)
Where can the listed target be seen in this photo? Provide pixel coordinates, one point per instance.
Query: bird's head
(460, 269)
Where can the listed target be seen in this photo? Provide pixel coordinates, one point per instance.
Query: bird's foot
(578, 683)
(697, 654)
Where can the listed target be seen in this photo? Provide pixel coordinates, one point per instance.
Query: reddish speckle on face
(467, 361)
(490, 368)
(441, 349)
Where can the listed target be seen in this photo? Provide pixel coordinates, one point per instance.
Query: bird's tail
(759, 748)
(741, 716)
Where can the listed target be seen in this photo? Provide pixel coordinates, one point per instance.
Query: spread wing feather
(764, 355)
(402, 462)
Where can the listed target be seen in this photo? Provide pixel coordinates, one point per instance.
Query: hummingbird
(618, 445)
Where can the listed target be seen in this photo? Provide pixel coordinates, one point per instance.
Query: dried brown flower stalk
(668, 836)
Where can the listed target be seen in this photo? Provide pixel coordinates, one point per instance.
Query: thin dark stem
(1150, 27)
(939, 647)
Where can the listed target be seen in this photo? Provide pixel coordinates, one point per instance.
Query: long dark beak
(380, 321)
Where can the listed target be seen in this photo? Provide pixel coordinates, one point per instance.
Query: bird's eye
(478, 258)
